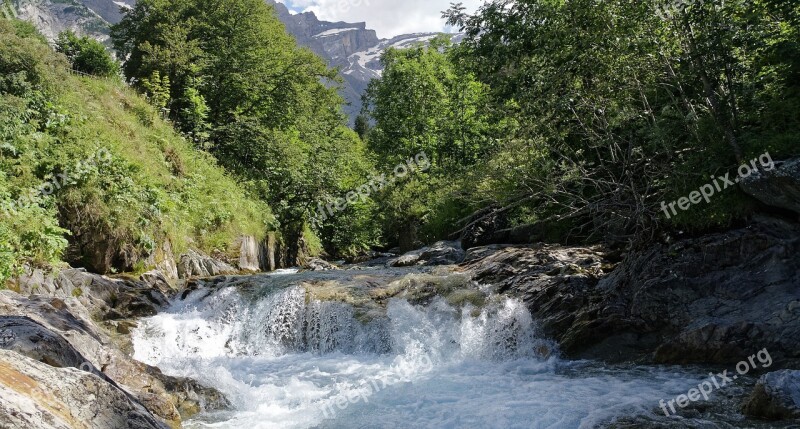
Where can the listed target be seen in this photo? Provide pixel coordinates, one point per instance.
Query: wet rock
(190, 396)
(779, 187)
(317, 264)
(29, 338)
(555, 282)
(62, 333)
(157, 280)
(776, 396)
(714, 299)
(38, 396)
(196, 264)
(440, 253)
(106, 298)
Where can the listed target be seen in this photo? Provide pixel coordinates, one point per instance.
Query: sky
(388, 17)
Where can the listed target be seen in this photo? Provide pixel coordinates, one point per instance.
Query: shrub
(87, 55)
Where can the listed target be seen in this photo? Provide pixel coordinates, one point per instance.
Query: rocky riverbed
(708, 302)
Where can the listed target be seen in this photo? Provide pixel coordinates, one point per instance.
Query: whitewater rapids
(286, 360)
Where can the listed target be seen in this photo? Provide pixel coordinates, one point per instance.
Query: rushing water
(288, 361)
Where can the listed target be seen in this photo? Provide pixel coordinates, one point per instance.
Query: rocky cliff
(350, 47)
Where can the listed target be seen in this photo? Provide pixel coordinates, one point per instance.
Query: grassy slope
(157, 186)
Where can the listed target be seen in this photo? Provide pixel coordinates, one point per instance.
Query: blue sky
(388, 17)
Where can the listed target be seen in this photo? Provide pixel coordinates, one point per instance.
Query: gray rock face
(52, 17)
(777, 188)
(715, 299)
(105, 298)
(38, 396)
(351, 47)
(249, 254)
(163, 259)
(29, 338)
(440, 253)
(196, 264)
(555, 282)
(157, 280)
(776, 396)
(62, 334)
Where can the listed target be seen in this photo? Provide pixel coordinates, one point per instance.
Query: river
(286, 359)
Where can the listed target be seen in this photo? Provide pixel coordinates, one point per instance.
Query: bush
(87, 55)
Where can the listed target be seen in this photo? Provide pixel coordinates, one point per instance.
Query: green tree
(617, 106)
(426, 103)
(266, 108)
(87, 55)
(157, 89)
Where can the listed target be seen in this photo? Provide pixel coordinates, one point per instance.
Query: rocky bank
(713, 299)
(65, 355)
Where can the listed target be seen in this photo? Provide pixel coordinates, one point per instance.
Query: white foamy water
(286, 361)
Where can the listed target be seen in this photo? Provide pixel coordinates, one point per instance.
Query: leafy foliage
(602, 109)
(103, 212)
(87, 55)
(425, 103)
(241, 87)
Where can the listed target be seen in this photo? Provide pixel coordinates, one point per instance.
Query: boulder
(29, 338)
(106, 298)
(555, 282)
(440, 253)
(190, 396)
(776, 396)
(779, 187)
(317, 264)
(156, 279)
(248, 254)
(38, 396)
(196, 264)
(61, 333)
(717, 298)
(163, 259)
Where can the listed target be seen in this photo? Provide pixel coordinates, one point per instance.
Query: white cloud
(388, 17)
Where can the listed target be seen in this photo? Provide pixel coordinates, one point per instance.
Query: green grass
(155, 186)
(199, 203)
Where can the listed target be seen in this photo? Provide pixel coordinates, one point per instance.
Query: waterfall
(225, 323)
(287, 360)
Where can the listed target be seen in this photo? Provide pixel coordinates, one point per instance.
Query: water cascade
(287, 360)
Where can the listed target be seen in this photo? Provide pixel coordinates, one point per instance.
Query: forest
(218, 124)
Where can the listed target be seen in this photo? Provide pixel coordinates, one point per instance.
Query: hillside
(91, 156)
